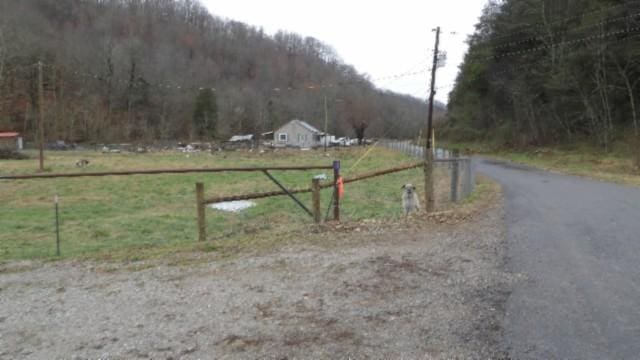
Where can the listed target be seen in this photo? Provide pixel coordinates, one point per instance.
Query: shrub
(9, 154)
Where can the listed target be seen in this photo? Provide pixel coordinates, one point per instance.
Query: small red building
(10, 140)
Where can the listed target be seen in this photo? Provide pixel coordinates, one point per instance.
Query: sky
(379, 38)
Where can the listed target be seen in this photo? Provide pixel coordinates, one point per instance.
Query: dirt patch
(423, 288)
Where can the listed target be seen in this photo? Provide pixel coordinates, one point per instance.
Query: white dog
(410, 202)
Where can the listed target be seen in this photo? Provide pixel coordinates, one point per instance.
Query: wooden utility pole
(326, 123)
(41, 115)
(429, 189)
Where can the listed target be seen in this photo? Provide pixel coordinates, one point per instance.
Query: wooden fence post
(336, 194)
(40, 118)
(315, 196)
(202, 229)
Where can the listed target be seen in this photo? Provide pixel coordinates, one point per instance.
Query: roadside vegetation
(553, 84)
(582, 159)
(137, 217)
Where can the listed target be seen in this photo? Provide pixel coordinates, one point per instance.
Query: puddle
(233, 206)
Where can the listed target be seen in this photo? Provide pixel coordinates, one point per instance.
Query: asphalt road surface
(577, 243)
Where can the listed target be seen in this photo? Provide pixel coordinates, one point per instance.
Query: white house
(297, 133)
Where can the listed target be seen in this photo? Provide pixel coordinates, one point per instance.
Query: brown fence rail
(383, 172)
(315, 188)
(163, 171)
(262, 195)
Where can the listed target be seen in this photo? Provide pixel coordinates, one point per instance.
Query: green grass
(137, 217)
(575, 159)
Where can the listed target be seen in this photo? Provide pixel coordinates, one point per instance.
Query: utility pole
(429, 189)
(41, 115)
(326, 123)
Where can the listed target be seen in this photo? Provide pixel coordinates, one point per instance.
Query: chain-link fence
(459, 171)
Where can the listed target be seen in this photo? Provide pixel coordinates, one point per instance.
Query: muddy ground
(431, 290)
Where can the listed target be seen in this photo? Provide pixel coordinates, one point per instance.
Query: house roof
(8, 135)
(307, 126)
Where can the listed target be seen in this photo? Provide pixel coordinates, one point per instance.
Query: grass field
(581, 160)
(134, 217)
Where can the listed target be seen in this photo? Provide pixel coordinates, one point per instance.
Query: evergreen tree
(205, 115)
(550, 71)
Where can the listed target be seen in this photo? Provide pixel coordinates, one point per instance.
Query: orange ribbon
(340, 185)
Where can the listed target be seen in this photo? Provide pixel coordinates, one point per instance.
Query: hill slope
(550, 72)
(166, 69)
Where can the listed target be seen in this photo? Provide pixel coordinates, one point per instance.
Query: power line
(567, 42)
(412, 69)
(530, 65)
(585, 26)
(566, 19)
(544, 60)
(305, 87)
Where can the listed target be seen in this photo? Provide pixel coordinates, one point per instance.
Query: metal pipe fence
(459, 170)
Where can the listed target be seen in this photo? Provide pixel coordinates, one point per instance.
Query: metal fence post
(472, 176)
(202, 229)
(336, 193)
(455, 176)
(468, 184)
(55, 200)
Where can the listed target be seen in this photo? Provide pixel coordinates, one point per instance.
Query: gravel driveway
(427, 291)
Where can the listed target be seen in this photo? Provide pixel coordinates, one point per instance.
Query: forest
(146, 70)
(549, 72)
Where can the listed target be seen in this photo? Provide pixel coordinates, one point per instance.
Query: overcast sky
(379, 38)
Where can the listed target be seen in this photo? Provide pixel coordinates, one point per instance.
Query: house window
(282, 137)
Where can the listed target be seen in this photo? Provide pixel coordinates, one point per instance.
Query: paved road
(578, 242)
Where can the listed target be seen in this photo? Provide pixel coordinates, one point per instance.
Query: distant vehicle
(345, 141)
(340, 142)
(60, 145)
(239, 142)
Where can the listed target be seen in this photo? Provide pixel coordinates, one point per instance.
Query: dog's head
(409, 188)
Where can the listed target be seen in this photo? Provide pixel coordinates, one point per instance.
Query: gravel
(432, 291)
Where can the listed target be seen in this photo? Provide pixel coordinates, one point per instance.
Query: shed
(11, 141)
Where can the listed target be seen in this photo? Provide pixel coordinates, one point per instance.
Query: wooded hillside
(549, 71)
(167, 69)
